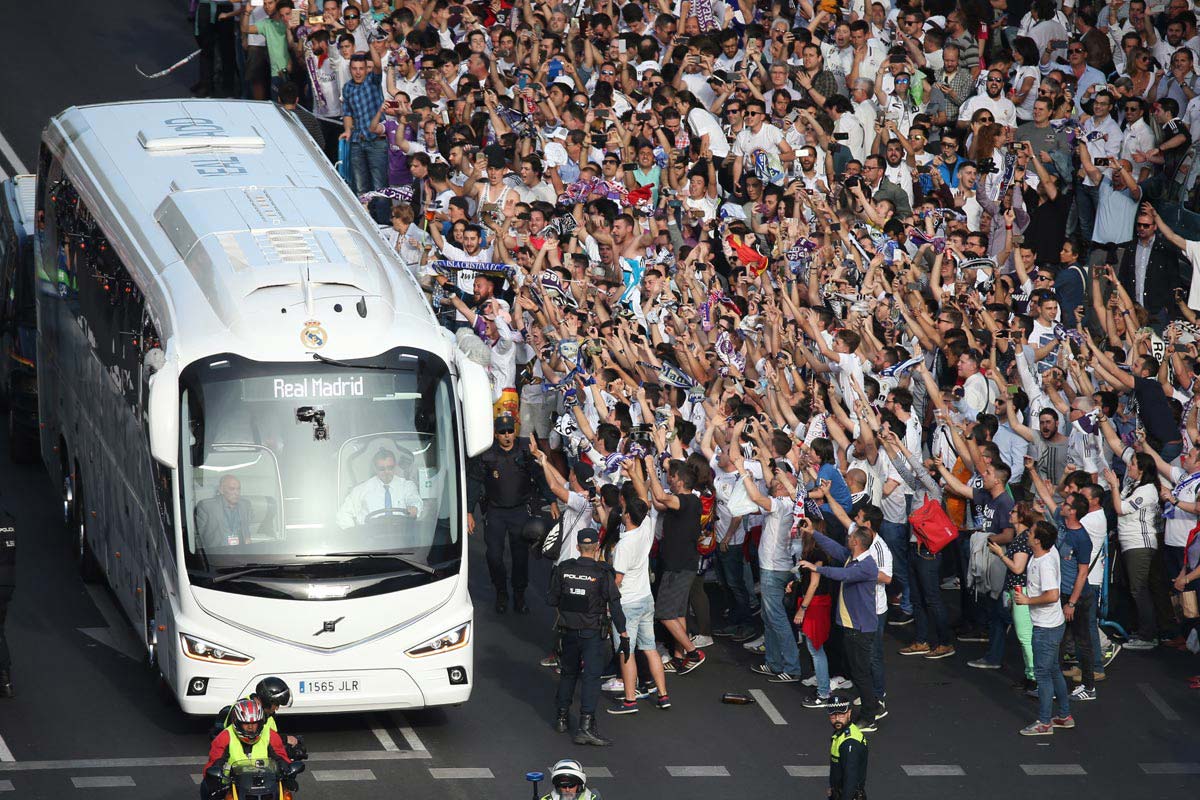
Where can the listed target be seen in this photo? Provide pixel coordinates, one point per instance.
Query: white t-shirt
(1096, 525)
(631, 558)
(883, 559)
(1137, 523)
(849, 369)
(1181, 522)
(704, 123)
(767, 138)
(576, 516)
(1043, 575)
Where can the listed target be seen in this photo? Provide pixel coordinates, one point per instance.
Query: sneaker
(880, 698)
(762, 669)
(1110, 653)
(915, 649)
(758, 650)
(1038, 729)
(1139, 645)
(702, 641)
(941, 651)
(950, 583)
(901, 618)
(726, 632)
(868, 726)
(623, 707)
(549, 661)
(972, 635)
(689, 662)
(1083, 693)
(645, 691)
(982, 663)
(669, 665)
(810, 681)
(882, 712)
(754, 644)
(814, 700)
(745, 633)
(613, 685)
(838, 682)
(1063, 722)
(1031, 689)
(663, 702)
(784, 677)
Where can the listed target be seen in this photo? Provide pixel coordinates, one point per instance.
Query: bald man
(224, 520)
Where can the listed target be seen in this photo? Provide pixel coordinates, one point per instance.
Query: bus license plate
(331, 686)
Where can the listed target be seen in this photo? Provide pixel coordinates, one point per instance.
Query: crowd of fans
(762, 280)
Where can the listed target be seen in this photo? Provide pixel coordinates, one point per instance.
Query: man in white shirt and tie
(383, 491)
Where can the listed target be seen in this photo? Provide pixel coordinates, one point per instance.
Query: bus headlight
(452, 639)
(202, 650)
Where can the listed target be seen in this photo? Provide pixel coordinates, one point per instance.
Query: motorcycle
(259, 780)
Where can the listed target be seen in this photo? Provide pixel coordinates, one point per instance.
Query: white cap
(645, 65)
(563, 80)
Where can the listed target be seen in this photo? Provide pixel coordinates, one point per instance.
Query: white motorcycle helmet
(567, 773)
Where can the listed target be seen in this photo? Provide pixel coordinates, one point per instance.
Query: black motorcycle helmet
(272, 691)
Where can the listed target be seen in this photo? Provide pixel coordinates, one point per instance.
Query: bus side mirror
(162, 411)
(475, 391)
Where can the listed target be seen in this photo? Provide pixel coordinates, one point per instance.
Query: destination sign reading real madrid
(312, 388)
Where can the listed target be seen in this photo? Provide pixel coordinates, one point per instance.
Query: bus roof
(239, 232)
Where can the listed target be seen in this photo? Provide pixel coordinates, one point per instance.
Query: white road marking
(460, 773)
(385, 739)
(6, 786)
(768, 707)
(698, 772)
(5, 753)
(117, 633)
(103, 782)
(932, 770)
(197, 778)
(597, 772)
(1158, 702)
(339, 756)
(410, 736)
(819, 771)
(1172, 768)
(323, 775)
(11, 155)
(1053, 769)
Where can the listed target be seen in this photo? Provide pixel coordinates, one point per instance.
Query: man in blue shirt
(362, 98)
(828, 471)
(1076, 594)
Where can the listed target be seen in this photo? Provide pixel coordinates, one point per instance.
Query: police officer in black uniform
(847, 754)
(503, 479)
(8, 582)
(583, 589)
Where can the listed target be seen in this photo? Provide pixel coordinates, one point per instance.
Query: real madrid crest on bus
(313, 336)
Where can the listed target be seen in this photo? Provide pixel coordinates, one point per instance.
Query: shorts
(639, 622)
(673, 591)
(537, 416)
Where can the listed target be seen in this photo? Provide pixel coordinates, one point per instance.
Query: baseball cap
(587, 536)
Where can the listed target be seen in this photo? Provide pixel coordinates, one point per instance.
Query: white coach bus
(259, 429)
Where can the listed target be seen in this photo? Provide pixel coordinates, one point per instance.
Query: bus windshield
(296, 475)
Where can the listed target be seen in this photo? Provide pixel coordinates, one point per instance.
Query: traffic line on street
(460, 773)
(410, 736)
(11, 155)
(597, 772)
(932, 770)
(698, 772)
(6, 786)
(818, 771)
(1053, 769)
(5, 753)
(1172, 768)
(325, 775)
(103, 782)
(768, 707)
(385, 739)
(1158, 702)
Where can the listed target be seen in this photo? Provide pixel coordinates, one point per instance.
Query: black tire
(89, 568)
(23, 445)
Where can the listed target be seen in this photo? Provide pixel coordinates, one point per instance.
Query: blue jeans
(820, 667)
(1051, 684)
(999, 618)
(368, 165)
(895, 534)
(1086, 200)
(929, 613)
(733, 574)
(877, 658)
(783, 654)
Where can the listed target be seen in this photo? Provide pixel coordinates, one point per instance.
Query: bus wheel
(22, 445)
(89, 569)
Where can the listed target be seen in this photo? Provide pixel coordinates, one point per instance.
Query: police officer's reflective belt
(259, 751)
(849, 732)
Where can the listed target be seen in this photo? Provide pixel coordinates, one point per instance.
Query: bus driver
(384, 491)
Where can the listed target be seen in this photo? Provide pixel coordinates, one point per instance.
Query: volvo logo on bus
(312, 335)
(329, 626)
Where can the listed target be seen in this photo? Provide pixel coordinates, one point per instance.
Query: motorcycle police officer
(8, 582)
(504, 478)
(582, 589)
(847, 755)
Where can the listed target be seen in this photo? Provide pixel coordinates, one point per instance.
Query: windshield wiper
(398, 555)
(334, 362)
(251, 569)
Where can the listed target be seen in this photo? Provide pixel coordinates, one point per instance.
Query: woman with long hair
(1137, 507)
(1138, 68)
(814, 613)
(1027, 75)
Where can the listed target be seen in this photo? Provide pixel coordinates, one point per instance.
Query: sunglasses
(986, 119)
(1075, 50)
(349, 17)
(1145, 224)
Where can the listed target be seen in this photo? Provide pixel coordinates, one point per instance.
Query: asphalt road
(89, 719)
